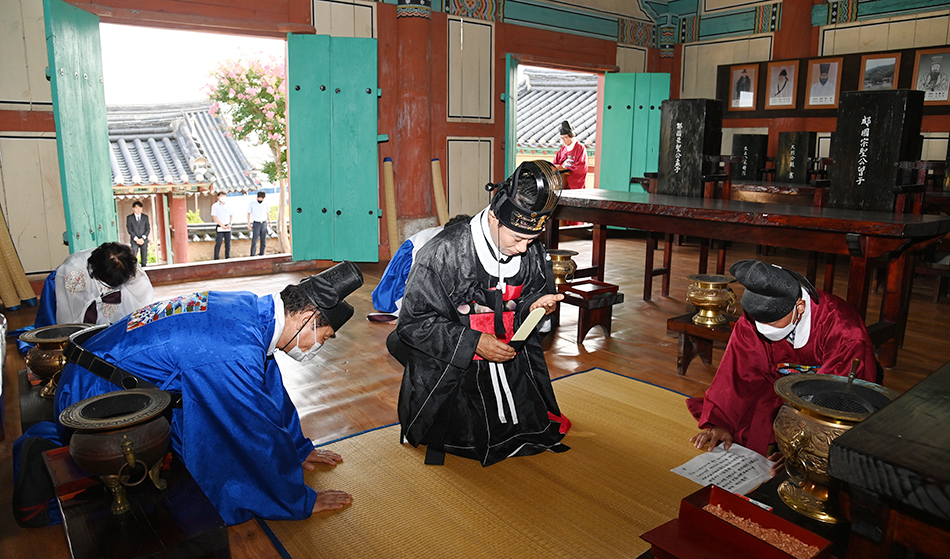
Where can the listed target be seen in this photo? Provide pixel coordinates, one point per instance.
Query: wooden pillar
(178, 209)
(160, 229)
(413, 156)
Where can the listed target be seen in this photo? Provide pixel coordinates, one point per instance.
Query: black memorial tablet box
(794, 149)
(875, 131)
(689, 130)
(753, 149)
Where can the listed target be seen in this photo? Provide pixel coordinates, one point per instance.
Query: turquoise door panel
(308, 137)
(511, 114)
(641, 122)
(353, 149)
(659, 92)
(82, 134)
(616, 131)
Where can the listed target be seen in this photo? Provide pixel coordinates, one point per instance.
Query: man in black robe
(465, 391)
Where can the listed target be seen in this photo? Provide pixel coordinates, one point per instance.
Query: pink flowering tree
(252, 97)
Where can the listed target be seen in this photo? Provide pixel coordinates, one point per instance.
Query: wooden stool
(594, 301)
(177, 522)
(695, 339)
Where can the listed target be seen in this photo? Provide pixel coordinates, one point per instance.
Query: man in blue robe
(237, 431)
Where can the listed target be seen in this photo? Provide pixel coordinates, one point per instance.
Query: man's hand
(778, 465)
(323, 456)
(330, 499)
(139, 241)
(490, 349)
(549, 302)
(713, 436)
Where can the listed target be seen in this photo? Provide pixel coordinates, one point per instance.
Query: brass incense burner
(564, 266)
(818, 409)
(45, 359)
(711, 294)
(121, 437)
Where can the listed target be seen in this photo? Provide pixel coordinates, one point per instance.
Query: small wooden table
(695, 339)
(894, 468)
(594, 301)
(177, 523)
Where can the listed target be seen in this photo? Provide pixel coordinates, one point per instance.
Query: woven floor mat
(591, 501)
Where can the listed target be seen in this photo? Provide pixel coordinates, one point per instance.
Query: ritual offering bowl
(712, 296)
(564, 266)
(121, 437)
(45, 359)
(818, 409)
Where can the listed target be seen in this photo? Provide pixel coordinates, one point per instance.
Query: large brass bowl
(121, 437)
(818, 409)
(710, 293)
(45, 359)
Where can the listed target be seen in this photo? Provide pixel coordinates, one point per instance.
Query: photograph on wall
(742, 88)
(879, 71)
(930, 75)
(824, 81)
(781, 87)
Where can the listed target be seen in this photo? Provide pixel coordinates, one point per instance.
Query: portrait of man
(782, 85)
(932, 78)
(743, 87)
(824, 84)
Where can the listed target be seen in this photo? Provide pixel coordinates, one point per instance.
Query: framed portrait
(782, 80)
(930, 75)
(824, 83)
(879, 71)
(742, 87)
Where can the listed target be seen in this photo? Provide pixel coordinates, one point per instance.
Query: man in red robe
(572, 157)
(788, 327)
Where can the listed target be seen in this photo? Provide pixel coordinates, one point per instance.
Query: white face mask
(304, 356)
(301, 356)
(778, 334)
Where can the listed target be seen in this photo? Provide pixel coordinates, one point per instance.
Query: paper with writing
(738, 470)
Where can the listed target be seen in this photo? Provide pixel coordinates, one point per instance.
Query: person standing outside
(572, 157)
(137, 225)
(258, 214)
(221, 214)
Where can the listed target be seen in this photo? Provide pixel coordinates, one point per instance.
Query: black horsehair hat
(771, 291)
(525, 201)
(327, 290)
(567, 129)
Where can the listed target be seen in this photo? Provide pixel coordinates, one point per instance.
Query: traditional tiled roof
(174, 148)
(548, 97)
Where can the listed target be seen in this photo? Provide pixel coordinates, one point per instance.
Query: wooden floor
(353, 384)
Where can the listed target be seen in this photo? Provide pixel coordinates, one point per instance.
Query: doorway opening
(174, 147)
(548, 97)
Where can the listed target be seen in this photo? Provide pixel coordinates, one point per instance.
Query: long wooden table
(867, 237)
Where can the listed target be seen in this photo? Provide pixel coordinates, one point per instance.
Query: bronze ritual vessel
(817, 410)
(563, 265)
(711, 294)
(45, 359)
(121, 437)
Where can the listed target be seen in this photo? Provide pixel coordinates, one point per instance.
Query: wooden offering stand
(594, 301)
(702, 535)
(177, 523)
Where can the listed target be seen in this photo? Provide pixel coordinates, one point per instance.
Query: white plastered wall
(30, 191)
(470, 75)
(631, 59)
(469, 169)
(700, 61)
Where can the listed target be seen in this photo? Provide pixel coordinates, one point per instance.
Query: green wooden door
(82, 134)
(630, 128)
(511, 114)
(659, 92)
(616, 131)
(332, 117)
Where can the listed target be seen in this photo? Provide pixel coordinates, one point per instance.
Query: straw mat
(591, 501)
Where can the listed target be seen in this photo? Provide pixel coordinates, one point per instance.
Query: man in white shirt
(257, 217)
(221, 214)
